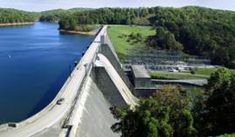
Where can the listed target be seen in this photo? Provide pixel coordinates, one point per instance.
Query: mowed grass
(176, 75)
(200, 73)
(208, 71)
(227, 135)
(119, 37)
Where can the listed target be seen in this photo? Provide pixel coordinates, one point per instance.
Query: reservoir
(35, 61)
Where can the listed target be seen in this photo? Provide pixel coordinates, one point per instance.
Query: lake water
(35, 61)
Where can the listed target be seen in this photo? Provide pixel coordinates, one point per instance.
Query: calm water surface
(35, 61)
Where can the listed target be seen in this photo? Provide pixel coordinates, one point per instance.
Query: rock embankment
(16, 24)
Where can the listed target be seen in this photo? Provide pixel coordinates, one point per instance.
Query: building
(141, 77)
(141, 81)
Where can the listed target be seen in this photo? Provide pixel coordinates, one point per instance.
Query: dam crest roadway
(81, 108)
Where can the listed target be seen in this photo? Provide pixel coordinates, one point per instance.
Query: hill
(16, 16)
(193, 30)
(201, 31)
(57, 14)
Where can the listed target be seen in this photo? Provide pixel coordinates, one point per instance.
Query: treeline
(56, 15)
(16, 16)
(201, 31)
(194, 30)
(19, 16)
(175, 112)
(125, 16)
(52, 15)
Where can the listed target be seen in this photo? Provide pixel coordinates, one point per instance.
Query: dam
(81, 108)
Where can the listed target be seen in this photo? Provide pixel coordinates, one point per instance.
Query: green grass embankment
(208, 71)
(122, 40)
(199, 73)
(227, 135)
(176, 75)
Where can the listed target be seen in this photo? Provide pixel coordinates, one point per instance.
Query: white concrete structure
(119, 83)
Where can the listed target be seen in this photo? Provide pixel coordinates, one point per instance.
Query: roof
(139, 71)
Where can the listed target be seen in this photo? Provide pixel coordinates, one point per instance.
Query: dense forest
(16, 16)
(52, 15)
(201, 31)
(175, 112)
(56, 15)
(107, 16)
(128, 16)
(193, 30)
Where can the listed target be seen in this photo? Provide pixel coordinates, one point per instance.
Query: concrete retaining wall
(106, 50)
(107, 87)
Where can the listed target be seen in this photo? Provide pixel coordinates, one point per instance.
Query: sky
(42, 5)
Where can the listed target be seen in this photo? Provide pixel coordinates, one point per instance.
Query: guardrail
(87, 62)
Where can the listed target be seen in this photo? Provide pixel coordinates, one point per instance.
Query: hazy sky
(40, 5)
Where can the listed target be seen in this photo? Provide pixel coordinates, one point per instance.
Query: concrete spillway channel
(121, 86)
(85, 109)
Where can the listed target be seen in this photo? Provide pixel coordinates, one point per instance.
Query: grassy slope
(205, 71)
(208, 71)
(227, 135)
(174, 75)
(120, 43)
(123, 47)
(200, 73)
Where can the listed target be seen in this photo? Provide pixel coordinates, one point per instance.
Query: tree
(165, 114)
(201, 31)
(72, 23)
(165, 40)
(221, 56)
(220, 79)
(172, 44)
(217, 116)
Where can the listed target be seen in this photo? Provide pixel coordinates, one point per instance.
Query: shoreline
(16, 24)
(92, 33)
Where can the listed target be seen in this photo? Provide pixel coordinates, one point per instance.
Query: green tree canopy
(16, 16)
(165, 114)
(217, 115)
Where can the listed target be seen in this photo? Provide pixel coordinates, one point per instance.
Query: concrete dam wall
(97, 83)
(97, 119)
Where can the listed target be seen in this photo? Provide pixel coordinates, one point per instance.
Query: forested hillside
(201, 31)
(108, 16)
(56, 15)
(16, 16)
(194, 30)
(52, 15)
